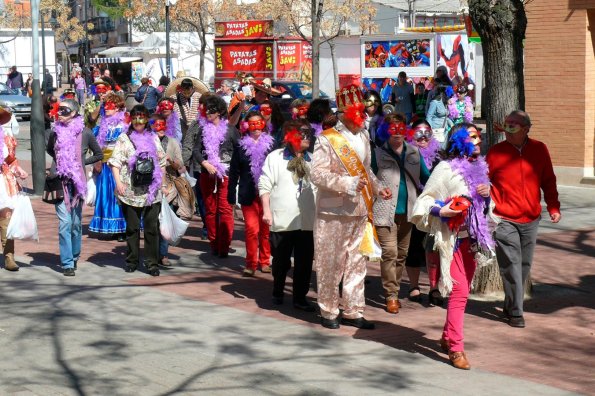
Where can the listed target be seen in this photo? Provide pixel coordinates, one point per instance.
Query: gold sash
(370, 247)
(107, 154)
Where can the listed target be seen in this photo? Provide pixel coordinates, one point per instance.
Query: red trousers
(219, 213)
(258, 247)
(462, 269)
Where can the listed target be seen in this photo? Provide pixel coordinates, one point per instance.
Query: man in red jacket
(520, 167)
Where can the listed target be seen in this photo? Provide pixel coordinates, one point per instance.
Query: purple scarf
(317, 128)
(454, 112)
(146, 147)
(68, 158)
(172, 125)
(212, 137)
(257, 151)
(108, 123)
(475, 173)
(430, 152)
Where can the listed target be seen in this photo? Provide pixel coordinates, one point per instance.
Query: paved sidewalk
(201, 328)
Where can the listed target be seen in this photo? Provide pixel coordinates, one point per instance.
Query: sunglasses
(64, 111)
(212, 110)
(422, 133)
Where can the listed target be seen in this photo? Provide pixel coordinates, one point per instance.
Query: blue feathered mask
(460, 143)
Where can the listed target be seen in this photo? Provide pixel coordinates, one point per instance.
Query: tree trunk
(501, 25)
(316, 15)
(331, 44)
(203, 48)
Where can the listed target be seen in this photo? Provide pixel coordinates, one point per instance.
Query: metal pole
(86, 51)
(167, 50)
(37, 126)
(43, 51)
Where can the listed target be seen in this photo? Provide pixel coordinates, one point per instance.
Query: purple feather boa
(257, 151)
(475, 172)
(430, 152)
(172, 124)
(212, 137)
(1, 145)
(454, 112)
(146, 147)
(317, 128)
(68, 156)
(108, 123)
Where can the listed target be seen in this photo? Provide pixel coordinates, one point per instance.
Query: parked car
(16, 103)
(291, 90)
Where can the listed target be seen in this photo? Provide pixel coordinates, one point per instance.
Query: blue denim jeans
(70, 233)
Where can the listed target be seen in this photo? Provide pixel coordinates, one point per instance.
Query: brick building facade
(560, 84)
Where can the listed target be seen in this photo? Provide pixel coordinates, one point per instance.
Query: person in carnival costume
(273, 118)
(94, 108)
(68, 142)
(166, 107)
(455, 208)
(10, 170)
(288, 207)
(186, 103)
(139, 199)
(245, 170)
(108, 219)
(375, 115)
(299, 109)
(343, 230)
(213, 148)
(399, 166)
(460, 108)
(68, 93)
(421, 253)
(175, 167)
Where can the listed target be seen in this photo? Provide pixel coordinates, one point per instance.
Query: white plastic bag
(91, 192)
(171, 227)
(22, 224)
(190, 179)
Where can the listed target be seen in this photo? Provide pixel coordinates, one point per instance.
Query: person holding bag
(138, 165)
(9, 187)
(68, 142)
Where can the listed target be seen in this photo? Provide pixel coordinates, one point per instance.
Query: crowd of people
(335, 190)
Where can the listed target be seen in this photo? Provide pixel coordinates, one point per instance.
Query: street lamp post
(168, 3)
(42, 16)
(37, 126)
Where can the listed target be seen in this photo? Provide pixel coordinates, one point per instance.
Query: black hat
(186, 83)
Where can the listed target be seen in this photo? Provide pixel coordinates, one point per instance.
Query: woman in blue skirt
(108, 221)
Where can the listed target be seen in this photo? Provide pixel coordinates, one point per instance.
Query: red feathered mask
(293, 137)
(355, 113)
(463, 204)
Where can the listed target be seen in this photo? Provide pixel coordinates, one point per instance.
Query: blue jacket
(151, 99)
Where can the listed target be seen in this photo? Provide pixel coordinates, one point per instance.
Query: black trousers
(301, 244)
(150, 215)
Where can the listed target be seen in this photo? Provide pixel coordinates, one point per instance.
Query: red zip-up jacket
(518, 176)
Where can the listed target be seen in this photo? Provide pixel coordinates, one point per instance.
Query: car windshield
(4, 90)
(303, 90)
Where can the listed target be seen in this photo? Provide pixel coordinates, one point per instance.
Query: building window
(122, 38)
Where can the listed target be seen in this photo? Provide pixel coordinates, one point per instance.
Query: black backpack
(142, 173)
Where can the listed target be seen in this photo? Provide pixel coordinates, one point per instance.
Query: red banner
(242, 30)
(294, 61)
(255, 58)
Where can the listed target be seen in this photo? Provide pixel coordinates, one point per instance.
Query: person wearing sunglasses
(138, 190)
(108, 220)
(520, 169)
(244, 172)
(10, 171)
(400, 167)
(214, 139)
(460, 106)
(421, 254)
(455, 207)
(68, 142)
(288, 205)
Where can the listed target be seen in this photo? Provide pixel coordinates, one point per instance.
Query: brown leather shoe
(392, 306)
(444, 344)
(459, 360)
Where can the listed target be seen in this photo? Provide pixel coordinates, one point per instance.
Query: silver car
(17, 104)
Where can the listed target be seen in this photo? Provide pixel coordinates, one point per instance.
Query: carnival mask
(257, 125)
(110, 106)
(139, 120)
(101, 89)
(461, 203)
(514, 128)
(355, 114)
(299, 111)
(420, 133)
(266, 110)
(371, 101)
(397, 128)
(158, 125)
(295, 137)
(166, 105)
